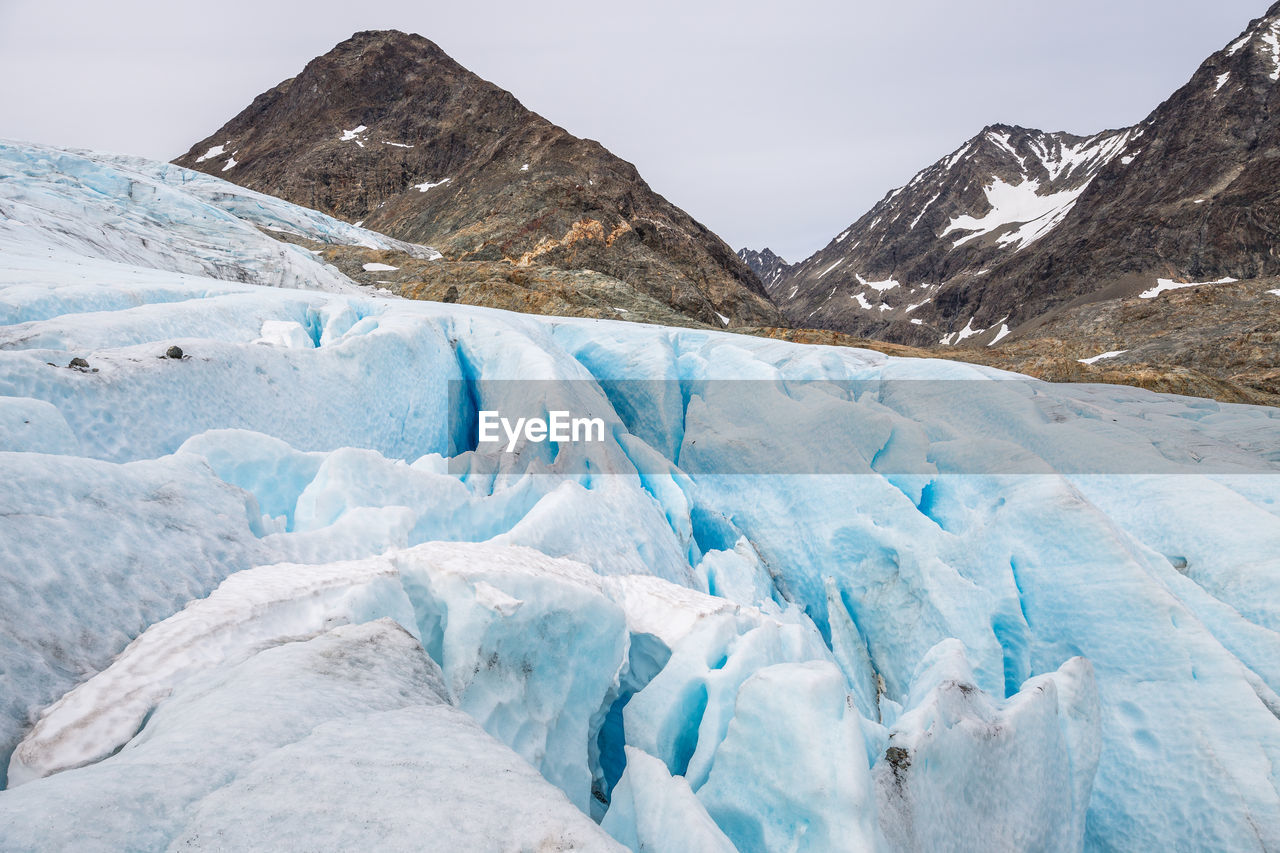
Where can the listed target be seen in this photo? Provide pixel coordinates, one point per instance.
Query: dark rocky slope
(1019, 227)
(387, 130)
(892, 273)
(767, 266)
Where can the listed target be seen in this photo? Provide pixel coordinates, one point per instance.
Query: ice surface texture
(266, 596)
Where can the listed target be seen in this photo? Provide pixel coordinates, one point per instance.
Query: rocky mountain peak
(387, 130)
(999, 193)
(767, 266)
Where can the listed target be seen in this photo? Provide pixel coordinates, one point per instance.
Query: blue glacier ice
(271, 595)
(653, 810)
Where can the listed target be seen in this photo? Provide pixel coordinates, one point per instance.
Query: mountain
(1019, 225)
(890, 274)
(767, 266)
(388, 131)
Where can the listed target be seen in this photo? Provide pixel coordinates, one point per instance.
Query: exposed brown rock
(528, 288)
(387, 130)
(1229, 374)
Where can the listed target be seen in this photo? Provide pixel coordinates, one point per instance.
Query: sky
(774, 123)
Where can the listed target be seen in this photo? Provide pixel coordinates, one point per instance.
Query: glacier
(269, 595)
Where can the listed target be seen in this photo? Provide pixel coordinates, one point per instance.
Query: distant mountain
(767, 266)
(888, 275)
(387, 130)
(1018, 226)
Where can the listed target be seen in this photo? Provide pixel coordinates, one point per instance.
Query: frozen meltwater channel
(271, 595)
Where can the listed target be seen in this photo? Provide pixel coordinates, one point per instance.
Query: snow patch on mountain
(1271, 39)
(1022, 205)
(430, 185)
(878, 286)
(1164, 285)
(215, 151)
(353, 135)
(1094, 359)
(1009, 185)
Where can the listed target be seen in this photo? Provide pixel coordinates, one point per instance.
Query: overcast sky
(775, 123)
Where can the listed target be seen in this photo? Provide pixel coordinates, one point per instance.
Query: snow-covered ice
(774, 785)
(652, 810)
(271, 594)
(338, 742)
(1034, 754)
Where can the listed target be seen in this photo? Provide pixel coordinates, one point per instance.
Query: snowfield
(269, 596)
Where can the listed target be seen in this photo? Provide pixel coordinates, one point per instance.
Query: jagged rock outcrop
(767, 266)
